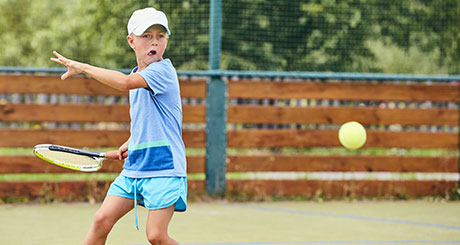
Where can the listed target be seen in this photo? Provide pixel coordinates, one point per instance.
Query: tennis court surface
(332, 222)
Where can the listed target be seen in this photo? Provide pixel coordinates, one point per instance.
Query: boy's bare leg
(157, 226)
(111, 210)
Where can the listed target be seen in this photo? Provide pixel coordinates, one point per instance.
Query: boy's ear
(130, 41)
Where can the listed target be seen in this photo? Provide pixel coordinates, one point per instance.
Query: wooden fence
(272, 117)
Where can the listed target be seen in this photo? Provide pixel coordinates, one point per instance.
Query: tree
(272, 35)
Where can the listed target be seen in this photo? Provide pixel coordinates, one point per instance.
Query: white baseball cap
(142, 19)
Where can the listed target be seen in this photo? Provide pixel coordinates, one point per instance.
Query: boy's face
(150, 46)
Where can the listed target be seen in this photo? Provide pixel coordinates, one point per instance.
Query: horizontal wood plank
(66, 190)
(267, 163)
(333, 163)
(236, 138)
(75, 138)
(63, 113)
(245, 89)
(236, 114)
(80, 85)
(339, 115)
(60, 190)
(83, 113)
(329, 138)
(343, 91)
(341, 188)
(83, 138)
(193, 89)
(193, 113)
(32, 164)
(96, 190)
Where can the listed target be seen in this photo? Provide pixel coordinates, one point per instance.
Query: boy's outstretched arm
(114, 79)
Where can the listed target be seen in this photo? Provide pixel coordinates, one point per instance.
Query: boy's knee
(156, 237)
(102, 220)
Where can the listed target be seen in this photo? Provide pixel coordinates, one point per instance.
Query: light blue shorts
(152, 193)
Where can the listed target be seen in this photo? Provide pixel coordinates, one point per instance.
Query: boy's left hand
(116, 155)
(73, 67)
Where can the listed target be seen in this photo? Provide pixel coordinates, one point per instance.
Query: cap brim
(141, 29)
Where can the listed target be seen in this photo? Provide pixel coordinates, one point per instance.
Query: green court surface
(332, 222)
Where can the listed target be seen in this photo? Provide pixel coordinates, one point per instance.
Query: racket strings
(68, 158)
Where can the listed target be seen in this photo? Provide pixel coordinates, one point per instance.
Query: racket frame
(98, 156)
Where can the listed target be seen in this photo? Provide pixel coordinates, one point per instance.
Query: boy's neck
(142, 67)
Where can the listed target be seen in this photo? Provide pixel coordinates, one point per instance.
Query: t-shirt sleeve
(156, 77)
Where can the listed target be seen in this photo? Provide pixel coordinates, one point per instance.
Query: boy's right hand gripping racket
(72, 158)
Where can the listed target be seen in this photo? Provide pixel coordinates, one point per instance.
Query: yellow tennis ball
(352, 135)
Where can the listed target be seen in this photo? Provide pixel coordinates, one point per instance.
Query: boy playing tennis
(154, 173)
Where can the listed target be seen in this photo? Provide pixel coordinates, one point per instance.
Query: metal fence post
(458, 132)
(216, 109)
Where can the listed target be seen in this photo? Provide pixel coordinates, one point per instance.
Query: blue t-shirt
(155, 147)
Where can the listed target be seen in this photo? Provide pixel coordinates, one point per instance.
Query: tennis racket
(72, 158)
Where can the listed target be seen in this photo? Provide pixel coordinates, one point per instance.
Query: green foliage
(413, 36)
(428, 30)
